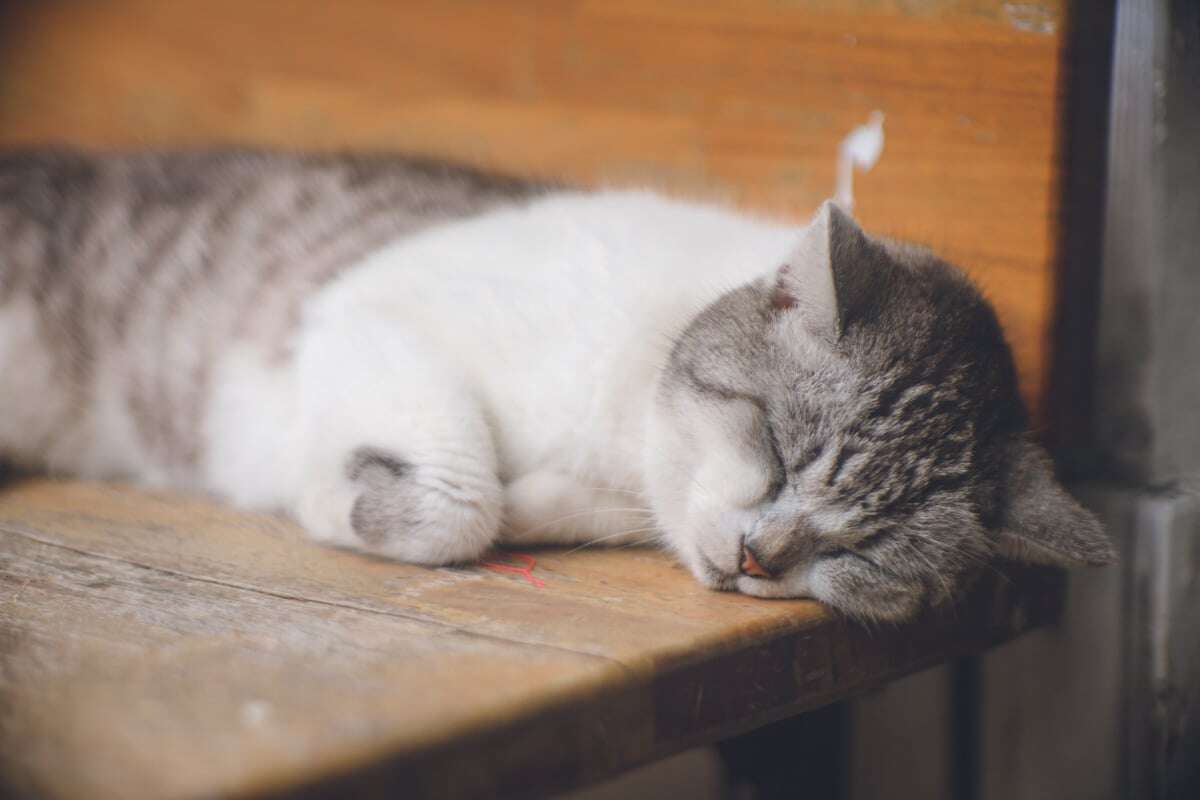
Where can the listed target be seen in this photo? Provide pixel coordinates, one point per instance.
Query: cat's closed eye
(844, 455)
(810, 454)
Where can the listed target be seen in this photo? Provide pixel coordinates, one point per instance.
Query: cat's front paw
(422, 514)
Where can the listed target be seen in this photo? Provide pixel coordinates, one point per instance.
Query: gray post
(1109, 705)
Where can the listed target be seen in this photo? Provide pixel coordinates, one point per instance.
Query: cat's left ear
(1043, 524)
(829, 278)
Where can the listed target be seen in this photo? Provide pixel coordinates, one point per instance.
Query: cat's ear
(824, 278)
(1042, 524)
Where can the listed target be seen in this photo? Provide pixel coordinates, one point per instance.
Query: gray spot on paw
(383, 508)
(368, 521)
(371, 463)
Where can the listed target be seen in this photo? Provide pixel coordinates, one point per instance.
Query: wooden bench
(156, 644)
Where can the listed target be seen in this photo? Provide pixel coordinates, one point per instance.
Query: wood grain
(742, 101)
(157, 645)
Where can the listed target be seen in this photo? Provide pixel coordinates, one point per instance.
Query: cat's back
(108, 248)
(135, 225)
(123, 277)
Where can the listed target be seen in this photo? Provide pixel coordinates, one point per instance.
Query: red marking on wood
(529, 561)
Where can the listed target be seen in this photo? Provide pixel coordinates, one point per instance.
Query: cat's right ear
(1042, 524)
(820, 279)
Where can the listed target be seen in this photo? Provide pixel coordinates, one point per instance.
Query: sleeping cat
(422, 362)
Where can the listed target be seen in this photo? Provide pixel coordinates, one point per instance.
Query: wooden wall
(743, 100)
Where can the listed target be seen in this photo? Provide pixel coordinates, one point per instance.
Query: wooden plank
(160, 645)
(745, 101)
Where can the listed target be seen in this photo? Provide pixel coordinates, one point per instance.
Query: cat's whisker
(582, 513)
(600, 539)
(641, 542)
(640, 530)
(610, 489)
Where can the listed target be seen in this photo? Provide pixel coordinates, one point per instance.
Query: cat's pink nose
(750, 565)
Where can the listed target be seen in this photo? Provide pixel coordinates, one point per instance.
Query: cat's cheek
(730, 482)
(692, 557)
(712, 580)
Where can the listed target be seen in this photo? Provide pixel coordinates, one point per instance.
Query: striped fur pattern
(421, 361)
(135, 271)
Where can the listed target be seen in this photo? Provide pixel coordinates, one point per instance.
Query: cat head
(848, 427)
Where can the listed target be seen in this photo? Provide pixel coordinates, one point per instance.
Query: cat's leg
(397, 457)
